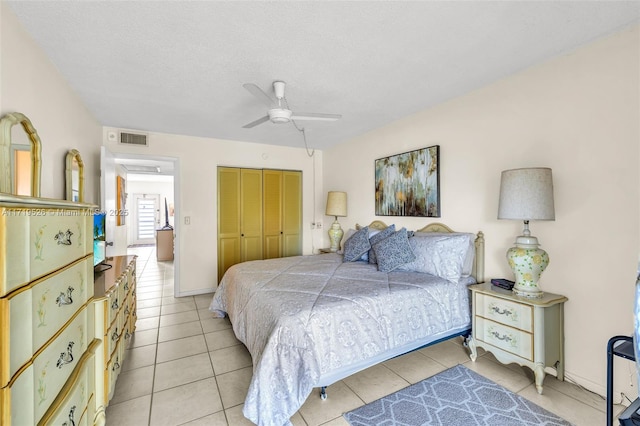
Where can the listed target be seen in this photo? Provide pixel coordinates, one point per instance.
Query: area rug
(457, 396)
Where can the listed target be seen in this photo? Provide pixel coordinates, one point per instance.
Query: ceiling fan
(279, 111)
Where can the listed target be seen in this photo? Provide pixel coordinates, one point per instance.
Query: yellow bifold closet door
(250, 214)
(272, 208)
(228, 219)
(292, 213)
(259, 215)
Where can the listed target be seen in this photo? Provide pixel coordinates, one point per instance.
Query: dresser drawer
(42, 240)
(114, 334)
(15, 340)
(509, 339)
(58, 241)
(14, 263)
(55, 363)
(114, 367)
(37, 313)
(76, 395)
(58, 297)
(504, 311)
(17, 400)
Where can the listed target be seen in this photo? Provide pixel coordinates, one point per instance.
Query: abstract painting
(409, 184)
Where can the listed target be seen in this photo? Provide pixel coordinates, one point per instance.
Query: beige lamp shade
(526, 194)
(336, 204)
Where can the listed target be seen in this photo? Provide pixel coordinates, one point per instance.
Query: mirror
(20, 150)
(75, 176)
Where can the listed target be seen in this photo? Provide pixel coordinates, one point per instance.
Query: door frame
(177, 226)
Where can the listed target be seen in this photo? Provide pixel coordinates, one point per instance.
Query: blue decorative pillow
(393, 251)
(357, 245)
(385, 233)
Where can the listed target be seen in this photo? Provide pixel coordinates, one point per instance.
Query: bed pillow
(439, 255)
(374, 237)
(393, 251)
(467, 266)
(357, 245)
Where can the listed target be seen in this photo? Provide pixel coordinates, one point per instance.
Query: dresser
(520, 330)
(115, 300)
(48, 344)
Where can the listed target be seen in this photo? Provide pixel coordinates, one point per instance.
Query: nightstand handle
(505, 311)
(504, 337)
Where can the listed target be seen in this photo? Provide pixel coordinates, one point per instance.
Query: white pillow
(467, 266)
(442, 255)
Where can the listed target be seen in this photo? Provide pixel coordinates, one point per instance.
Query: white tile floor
(185, 367)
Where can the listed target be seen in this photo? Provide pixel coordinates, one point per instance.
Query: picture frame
(408, 184)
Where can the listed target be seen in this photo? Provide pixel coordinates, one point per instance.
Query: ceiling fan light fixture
(279, 115)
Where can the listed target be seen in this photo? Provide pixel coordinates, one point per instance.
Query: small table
(621, 346)
(526, 331)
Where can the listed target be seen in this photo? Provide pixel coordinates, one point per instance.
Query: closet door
(228, 219)
(250, 214)
(292, 213)
(272, 210)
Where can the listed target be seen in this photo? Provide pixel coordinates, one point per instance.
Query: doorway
(146, 218)
(156, 176)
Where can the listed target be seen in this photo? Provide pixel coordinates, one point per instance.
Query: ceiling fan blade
(315, 116)
(256, 122)
(259, 93)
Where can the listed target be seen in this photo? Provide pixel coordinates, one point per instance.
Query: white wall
(578, 114)
(30, 84)
(196, 244)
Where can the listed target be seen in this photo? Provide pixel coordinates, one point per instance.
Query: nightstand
(525, 331)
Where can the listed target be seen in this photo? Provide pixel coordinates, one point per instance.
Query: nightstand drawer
(505, 312)
(506, 338)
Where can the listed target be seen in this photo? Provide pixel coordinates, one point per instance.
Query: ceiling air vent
(139, 139)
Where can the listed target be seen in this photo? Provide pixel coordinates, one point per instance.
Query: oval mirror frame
(74, 164)
(6, 124)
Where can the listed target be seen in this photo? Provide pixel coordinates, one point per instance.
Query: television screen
(99, 238)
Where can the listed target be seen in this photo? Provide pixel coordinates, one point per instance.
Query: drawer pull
(507, 338)
(126, 310)
(65, 299)
(63, 238)
(116, 364)
(126, 286)
(71, 421)
(127, 335)
(506, 311)
(115, 335)
(114, 305)
(66, 357)
(504, 337)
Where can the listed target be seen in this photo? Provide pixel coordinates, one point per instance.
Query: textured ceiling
(179, 66)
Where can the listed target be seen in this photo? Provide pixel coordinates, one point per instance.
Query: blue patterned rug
(457, 396)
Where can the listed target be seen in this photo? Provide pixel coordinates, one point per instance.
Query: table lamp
(527, 194)
(336, 206)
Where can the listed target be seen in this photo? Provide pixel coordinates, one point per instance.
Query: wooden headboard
(478, 261)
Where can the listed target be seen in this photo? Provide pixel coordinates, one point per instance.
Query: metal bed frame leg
(323, 393)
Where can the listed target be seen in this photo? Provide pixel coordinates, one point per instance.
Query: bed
(309, 321)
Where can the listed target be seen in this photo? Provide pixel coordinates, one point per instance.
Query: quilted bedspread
(303, 317)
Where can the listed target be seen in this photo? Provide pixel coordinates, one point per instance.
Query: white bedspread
(303, 317)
